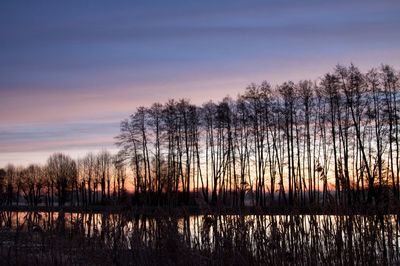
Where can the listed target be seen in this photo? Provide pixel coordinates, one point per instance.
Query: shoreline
(195, 210)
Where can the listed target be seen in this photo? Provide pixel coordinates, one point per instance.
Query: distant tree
(11, 177)
(104, 161)
(32, 183)
(119, 176)
(64, 171)
(3, 175)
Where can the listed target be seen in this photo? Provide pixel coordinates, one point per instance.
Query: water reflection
(309, 238)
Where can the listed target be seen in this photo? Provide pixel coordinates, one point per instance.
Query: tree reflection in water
(92, 238)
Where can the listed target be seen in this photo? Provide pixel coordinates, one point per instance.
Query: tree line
(95, 179)
(334, 141)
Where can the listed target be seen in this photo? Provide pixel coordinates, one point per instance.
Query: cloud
(36, 137)
(70, 72)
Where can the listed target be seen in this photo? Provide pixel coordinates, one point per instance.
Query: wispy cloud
(69, 72)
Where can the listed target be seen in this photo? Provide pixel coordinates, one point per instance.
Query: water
(266, 238)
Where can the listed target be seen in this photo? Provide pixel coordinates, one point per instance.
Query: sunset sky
(69, 73)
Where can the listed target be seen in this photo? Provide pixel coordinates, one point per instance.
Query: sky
(71, 71)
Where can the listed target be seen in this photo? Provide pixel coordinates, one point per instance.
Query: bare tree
(63, 169)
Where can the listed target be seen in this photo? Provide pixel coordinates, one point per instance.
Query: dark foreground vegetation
(121, 239)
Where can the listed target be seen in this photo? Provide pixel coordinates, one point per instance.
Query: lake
(234, 239)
